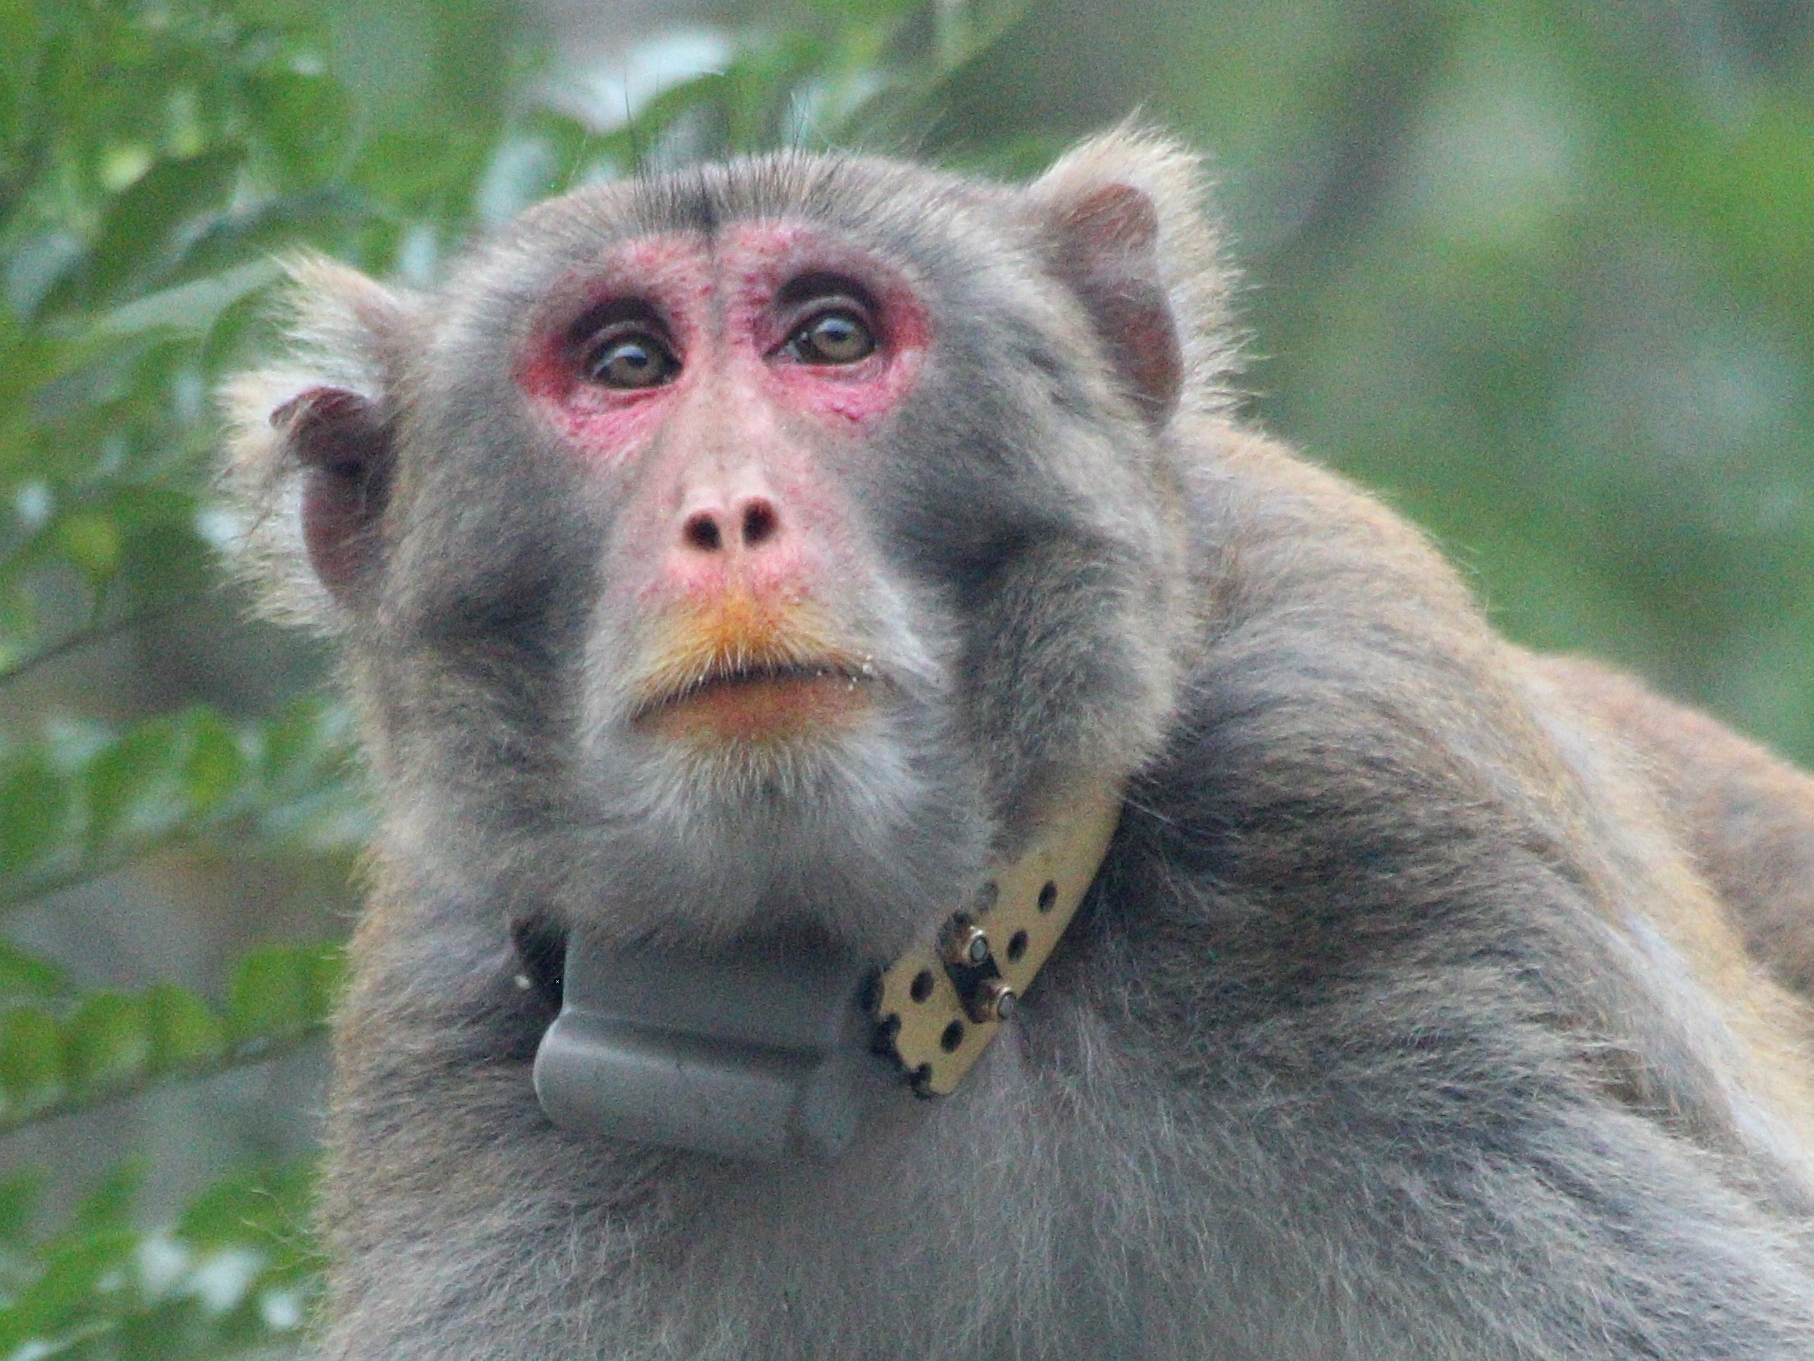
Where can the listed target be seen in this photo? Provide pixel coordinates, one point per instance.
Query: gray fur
(1397, 1024)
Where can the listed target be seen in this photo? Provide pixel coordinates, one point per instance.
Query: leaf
(167, 774)
(34, 815)
(109, 1205)
(189, 309)
(277, 990)
(85, 799)
(107, 1043)
(214, 767)
(31, 1061)
(272, 1205)
(23, 975)
(134, 791)
(139, 233)
(309, 792)
(305, 122)
(20, 29)
(165, 567)
(185, 1033)
(18, 1203)
(330, 219)
(327, 978)
(91, 541)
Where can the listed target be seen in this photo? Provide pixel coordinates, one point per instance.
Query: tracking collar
(770, 1055)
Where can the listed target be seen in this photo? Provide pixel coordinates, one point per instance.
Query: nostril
(701, 532)
(760, 523)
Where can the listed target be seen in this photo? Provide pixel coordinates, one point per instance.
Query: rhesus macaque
(738, 564)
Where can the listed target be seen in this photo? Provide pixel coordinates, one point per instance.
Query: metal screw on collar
(966, 944)
(992, 1000)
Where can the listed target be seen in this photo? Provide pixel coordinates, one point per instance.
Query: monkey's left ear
(1123, 225)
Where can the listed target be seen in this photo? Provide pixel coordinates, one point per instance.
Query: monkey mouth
(763, 703)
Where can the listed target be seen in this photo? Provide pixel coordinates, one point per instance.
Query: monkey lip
(763, 703)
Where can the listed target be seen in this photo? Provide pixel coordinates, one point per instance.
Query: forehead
(894, 203)
(937, 228)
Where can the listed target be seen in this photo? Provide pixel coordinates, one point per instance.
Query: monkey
(1746, 817)
(735, 564)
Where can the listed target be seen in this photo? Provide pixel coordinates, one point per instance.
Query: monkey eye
(629, 359)
(837, 335)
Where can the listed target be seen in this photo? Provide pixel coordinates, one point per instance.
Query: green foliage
(63, 1053)
(150, 155)
(235, 1272)
(86, 800)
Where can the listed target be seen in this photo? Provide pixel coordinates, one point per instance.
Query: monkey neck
(762, 1054)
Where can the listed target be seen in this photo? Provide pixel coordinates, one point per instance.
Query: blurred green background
(1540, 273)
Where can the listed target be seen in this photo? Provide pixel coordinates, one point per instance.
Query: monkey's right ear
(339, 439)
(309, 449)
(1122, 218)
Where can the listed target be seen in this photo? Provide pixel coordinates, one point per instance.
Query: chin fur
(865, 835)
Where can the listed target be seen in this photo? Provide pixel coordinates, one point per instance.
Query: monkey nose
(746, 523)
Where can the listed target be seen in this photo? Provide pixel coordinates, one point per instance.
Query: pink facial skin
(719, 307)
(735, 543)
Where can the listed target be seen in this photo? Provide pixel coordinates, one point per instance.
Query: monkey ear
(1106, 248)
(1123, 223)
(338, 438)
(309, 449)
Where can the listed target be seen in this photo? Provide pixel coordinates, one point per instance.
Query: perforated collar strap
(766, 1056)
(939, 1005)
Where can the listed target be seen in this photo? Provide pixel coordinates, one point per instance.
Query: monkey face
(758, 554)
(724, 387)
